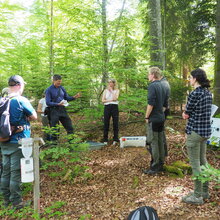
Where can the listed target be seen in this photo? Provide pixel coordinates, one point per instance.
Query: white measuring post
(37, 143)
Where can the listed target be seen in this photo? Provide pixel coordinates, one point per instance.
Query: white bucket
(133, 141)
(27, 170)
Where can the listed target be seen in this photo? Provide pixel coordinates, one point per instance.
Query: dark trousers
(11, 177)
(59, 114)
(111, 110)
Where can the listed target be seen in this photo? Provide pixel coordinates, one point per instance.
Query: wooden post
(37, 142)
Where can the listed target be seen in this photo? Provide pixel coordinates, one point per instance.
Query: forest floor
(119, 186)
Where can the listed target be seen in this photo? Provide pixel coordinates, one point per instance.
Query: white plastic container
(26, 146)
(27, 165)
(133, 141)
(27, 170)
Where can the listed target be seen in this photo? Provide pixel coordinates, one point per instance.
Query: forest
(88, 42)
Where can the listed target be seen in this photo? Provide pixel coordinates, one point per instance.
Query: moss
(186, 168)
(174, 170)
(178, 169)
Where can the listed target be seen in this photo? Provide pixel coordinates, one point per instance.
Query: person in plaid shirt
(198, 130)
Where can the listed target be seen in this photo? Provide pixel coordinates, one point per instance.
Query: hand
(146, 120)
(185, 116)
(78, 95)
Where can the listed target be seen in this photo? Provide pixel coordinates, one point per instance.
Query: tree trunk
(105, 74)
(155, 29)
(51, 41)
(217, 59)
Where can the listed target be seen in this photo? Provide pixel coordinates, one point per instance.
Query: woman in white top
(110, 100)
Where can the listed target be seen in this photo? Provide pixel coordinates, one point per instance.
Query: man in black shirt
(157, 103)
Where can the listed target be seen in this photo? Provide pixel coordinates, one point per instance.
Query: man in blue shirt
(21, 112)
(56, 100)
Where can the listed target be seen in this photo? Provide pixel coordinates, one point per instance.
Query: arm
(39, 108)
(33, 116)
(148, 112)
(116, 95)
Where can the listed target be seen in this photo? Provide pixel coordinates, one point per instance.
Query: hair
(155, 71)
(112, 80)
(201, 77)
(57, 77)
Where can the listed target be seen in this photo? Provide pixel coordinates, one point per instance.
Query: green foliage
(54, 210)
(178, 91)
(66, 155)
(217, 116)
(27, 188)
(209, 173)
(178, 169)
(85, 217)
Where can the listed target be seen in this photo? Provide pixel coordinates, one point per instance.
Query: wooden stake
(36, 147)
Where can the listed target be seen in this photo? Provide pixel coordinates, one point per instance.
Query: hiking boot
(150, 172)
(21, 205)
(192, 199)
(205, 195)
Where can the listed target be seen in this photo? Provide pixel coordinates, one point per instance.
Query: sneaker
(105, 143)
(192, 199)
(115, 142)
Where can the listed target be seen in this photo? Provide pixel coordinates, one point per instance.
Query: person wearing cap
(21, 113)
(56, 100)
(110, 100)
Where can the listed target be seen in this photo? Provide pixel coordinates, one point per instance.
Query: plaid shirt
(199, 110)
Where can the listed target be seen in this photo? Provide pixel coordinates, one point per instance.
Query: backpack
(5, 126)
(143, 213)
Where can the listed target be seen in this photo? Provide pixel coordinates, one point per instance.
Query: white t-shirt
(109, 96)
(43, 104)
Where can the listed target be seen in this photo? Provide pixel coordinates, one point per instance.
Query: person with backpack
(56, 100)
(198, 130)
(21, 113)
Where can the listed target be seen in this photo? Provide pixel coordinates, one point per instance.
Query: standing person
(44, 119)
(154, 117)
(4, 94)
(56, 99)
(198, 130)
(166, 86)
(21, 112)
(110, 100)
